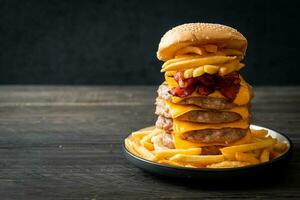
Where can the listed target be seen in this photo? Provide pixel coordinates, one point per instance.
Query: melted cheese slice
(184, 144)
(242, 98)
(177, 110)
(180, 127)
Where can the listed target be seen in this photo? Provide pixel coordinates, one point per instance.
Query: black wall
(115, 42)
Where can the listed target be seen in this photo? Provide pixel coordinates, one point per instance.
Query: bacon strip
(182, 91)
(228, 85)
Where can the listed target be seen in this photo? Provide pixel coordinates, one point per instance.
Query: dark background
(115, 42)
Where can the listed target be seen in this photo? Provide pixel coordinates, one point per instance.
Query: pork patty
(221, 136)
(163, 141)
(165, 124)
(203, 102)
(202, 116)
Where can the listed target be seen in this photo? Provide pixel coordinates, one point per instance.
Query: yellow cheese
(180, 127)
(184, 144)
(242, 98)
(171, 82)
(177, 110)
(244, 94)
(244, 140)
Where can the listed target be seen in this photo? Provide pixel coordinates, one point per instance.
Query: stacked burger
(204, 101)
(203, 104)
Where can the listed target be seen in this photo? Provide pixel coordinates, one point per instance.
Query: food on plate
(203, 106)
(254, 150)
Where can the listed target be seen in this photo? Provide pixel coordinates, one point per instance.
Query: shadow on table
(285, 177)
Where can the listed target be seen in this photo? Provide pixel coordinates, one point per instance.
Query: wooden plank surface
(64, 142)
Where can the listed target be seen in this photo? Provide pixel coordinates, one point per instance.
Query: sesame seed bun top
(197, 34)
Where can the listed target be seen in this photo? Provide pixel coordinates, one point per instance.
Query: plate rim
(288, 152)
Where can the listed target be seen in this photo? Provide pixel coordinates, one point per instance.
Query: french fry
(211, 69)
(198, 71)
(148, 137)
(130, 147)
(229, 67)
(194, 62)
(280, 146)
(229, 152)
(145, 153)
(179, 56)
(245, 140)
(143, 132)
(265, 155)
(231, 52)
(188, 73)
(262, 133)
(170, 73)
(178, 59)
(211, 48)
(140, 134)
(274, 154)
(171, 152)
(184, 56)
(187, 50)
(197, 159)
(169, 162)
(256, 153)
(149, 146)
(246, 157)
(255, 139)
(190, 166)
(228, 164)
(218, 53)
(240, 66)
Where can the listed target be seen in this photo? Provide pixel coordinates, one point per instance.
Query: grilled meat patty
(202, 116)
(221, 136)
(163, 141)
(164, 123)
(203, 102)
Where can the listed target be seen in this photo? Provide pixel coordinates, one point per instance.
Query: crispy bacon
(182, 91)
(228, 85)
(186, 86)
(184, 83)
(207, 80)
(204, 91)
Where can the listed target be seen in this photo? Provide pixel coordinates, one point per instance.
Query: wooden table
(65, 143)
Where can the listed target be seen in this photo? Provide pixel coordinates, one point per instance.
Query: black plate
(252, 171)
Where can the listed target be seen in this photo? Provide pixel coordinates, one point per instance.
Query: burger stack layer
(204, 101)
